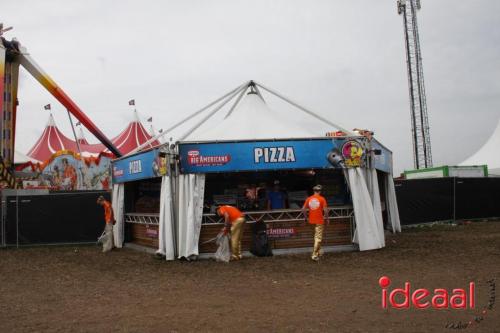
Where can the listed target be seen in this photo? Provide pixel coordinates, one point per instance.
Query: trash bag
(260, 242)
(101, 239)
(223, 252)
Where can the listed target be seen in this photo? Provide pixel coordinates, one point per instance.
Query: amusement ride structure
(13, 55)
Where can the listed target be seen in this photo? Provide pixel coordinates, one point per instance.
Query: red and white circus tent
(133, 136)
(53, 140)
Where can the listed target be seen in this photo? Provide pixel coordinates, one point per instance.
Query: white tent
(249, 118)
(253, 119)
(488, 154)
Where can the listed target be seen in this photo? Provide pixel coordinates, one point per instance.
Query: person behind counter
(234, 221)
(276, 197)
(318, 213)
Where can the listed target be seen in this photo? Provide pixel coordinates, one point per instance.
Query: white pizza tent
(488, 154)
(246, 116)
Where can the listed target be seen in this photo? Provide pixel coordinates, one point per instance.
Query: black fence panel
(72, 217)
(424, 200)
(444, 199)
(477, 198)
(11, 220)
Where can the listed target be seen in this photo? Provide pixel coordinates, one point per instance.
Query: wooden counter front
(337, 233)
(289, 224)
(144, 234)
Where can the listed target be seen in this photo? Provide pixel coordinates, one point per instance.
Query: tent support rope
(236, 102)
(213, 112)
(158, 136)
(309, 112)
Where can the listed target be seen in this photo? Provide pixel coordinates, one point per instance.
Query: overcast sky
(342, 59)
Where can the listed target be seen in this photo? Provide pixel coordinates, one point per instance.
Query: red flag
(131, 102)
(46, 107)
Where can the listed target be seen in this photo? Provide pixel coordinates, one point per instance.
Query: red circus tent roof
(53, 140)
(81, 138)
(133, 136)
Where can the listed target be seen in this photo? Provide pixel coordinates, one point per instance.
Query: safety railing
(283, 215)
(142, 218)
(338, 212)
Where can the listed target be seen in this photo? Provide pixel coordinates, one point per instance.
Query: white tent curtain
(117, 201)
(191, 192)
(367, 233)
(166, 242)
(392, 203)
(377, 206)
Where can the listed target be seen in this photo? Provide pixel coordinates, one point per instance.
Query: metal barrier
(142, 218)
(282, 215)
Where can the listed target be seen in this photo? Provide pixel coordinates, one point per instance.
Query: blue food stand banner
(145, 165)
(271, 155)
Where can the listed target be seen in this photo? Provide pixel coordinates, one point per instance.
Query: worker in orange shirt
(234, 221)
(107, 238)
(318, 213)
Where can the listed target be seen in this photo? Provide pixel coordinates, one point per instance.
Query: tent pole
(212, 113)
(74, 133)
(159, 135)
(83, 168)
(304, 109)
(236, 102)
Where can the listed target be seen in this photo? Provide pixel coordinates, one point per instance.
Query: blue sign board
(141, 166)
(271, 155)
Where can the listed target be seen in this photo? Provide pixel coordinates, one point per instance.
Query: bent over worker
(107, 237)
(234, 222)
(318, 213)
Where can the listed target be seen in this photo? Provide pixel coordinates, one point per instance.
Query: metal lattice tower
(422, 156)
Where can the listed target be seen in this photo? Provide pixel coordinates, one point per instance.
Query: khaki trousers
(236, 235)
(318, 238)
(107, 243)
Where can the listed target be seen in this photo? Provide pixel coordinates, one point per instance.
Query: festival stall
(266, 165)
(137, 195)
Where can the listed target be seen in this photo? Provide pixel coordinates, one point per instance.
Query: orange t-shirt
(233, 212)
(108, 212)
(316, 205)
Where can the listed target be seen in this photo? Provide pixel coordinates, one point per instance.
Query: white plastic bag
(223, 252)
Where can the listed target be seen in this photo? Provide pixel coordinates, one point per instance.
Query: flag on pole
(131, 102)
(47, 107)
(150, 119)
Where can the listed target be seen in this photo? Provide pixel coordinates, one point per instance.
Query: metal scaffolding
(419, 119)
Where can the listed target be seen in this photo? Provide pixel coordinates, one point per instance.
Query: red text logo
(421, 298)
(196, 159)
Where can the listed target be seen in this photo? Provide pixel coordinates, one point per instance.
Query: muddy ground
(79, 289)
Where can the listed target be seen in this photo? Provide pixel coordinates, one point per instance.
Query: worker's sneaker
(315, 258)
